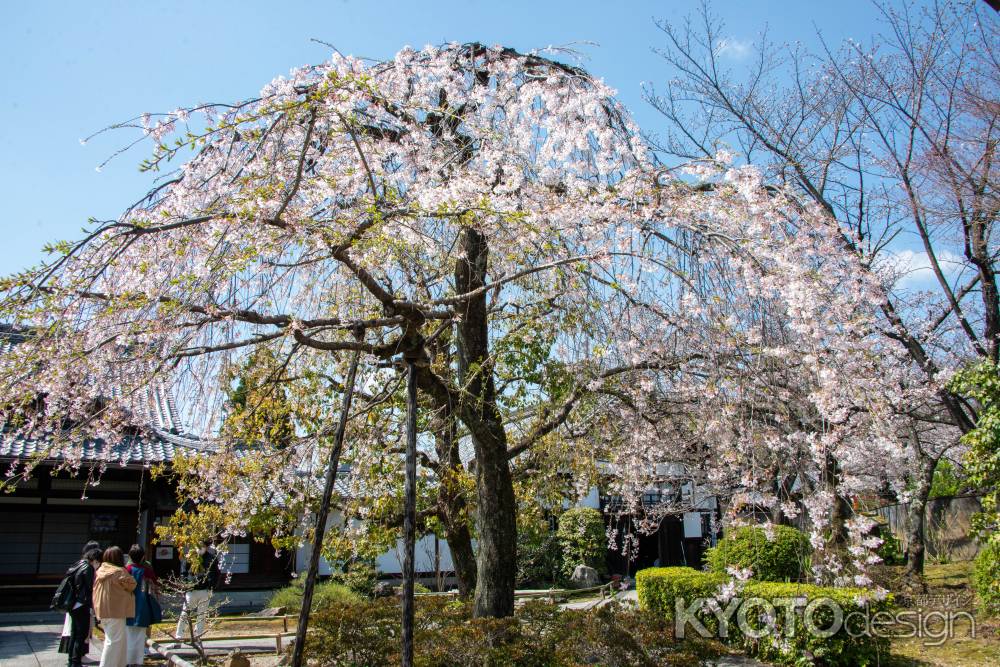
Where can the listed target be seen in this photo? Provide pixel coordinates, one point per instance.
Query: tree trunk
(980, 255)
(462, 556)
(841, 507)
(497, 519)
(838, 521)
(916, 538)
(453, 509)
(497, 522)
(783, 492)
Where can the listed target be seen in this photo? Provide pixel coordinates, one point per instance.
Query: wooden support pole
(409, 508)
(322, 514)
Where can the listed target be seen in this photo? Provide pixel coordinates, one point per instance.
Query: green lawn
(948, 590)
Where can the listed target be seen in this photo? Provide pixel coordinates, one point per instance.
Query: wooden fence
(946, 522)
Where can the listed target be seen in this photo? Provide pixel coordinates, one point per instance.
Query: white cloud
(914, 268)
(734, 49)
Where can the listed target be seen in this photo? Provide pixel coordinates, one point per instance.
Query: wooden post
(321, 516)
(409, 507)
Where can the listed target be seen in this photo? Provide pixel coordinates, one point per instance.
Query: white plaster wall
(592, 499)
(303, 553)
(390, 562)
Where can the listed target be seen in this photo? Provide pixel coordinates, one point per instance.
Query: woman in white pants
(196, 605)
(203, 581)
(113, 603)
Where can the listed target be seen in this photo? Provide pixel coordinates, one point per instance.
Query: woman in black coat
(76, 629)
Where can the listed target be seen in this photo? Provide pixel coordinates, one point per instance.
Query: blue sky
(70, 68)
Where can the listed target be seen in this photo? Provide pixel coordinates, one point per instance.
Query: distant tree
(981, 384)
(948, 480)
(258, 412)
(895, 140)
(582, 539)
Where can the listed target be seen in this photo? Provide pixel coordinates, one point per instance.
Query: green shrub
(360, 577)
(583, 540)
(539, 558)
(660, 589)
(839, 649)
(447, 635)
(537, 635)
(778, 559)
(891, 549)
(986, 578)
(981, 383)
(366, 633)
(324, 594)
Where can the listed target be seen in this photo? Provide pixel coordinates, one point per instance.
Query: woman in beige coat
(114, 601)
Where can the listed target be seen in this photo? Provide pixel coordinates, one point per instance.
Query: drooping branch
(551, 418)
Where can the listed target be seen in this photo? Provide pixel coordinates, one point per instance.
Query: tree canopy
(498, 215)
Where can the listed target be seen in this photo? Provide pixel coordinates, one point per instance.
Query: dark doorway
(671, 542)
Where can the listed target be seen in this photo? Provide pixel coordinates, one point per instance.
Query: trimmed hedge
(769, 635)
(658, 587)
(778, 559)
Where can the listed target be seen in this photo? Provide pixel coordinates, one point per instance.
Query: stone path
(623, 596)
(24, 643)
(34, 645)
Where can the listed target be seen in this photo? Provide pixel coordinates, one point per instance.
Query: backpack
(65, 593)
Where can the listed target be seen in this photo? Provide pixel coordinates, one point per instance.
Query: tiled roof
(342, 487)
(135, 450)
(157, 414)
(9, 337)
(158, 408)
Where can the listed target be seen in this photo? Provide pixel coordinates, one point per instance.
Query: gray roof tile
(164, 433)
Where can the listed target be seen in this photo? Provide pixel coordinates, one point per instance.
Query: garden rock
(384, 589)
(584, 577)
(237, 659)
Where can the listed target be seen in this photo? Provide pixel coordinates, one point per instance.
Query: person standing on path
(113, 603)
(75, 638)
(137, 627)
(196, 600)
